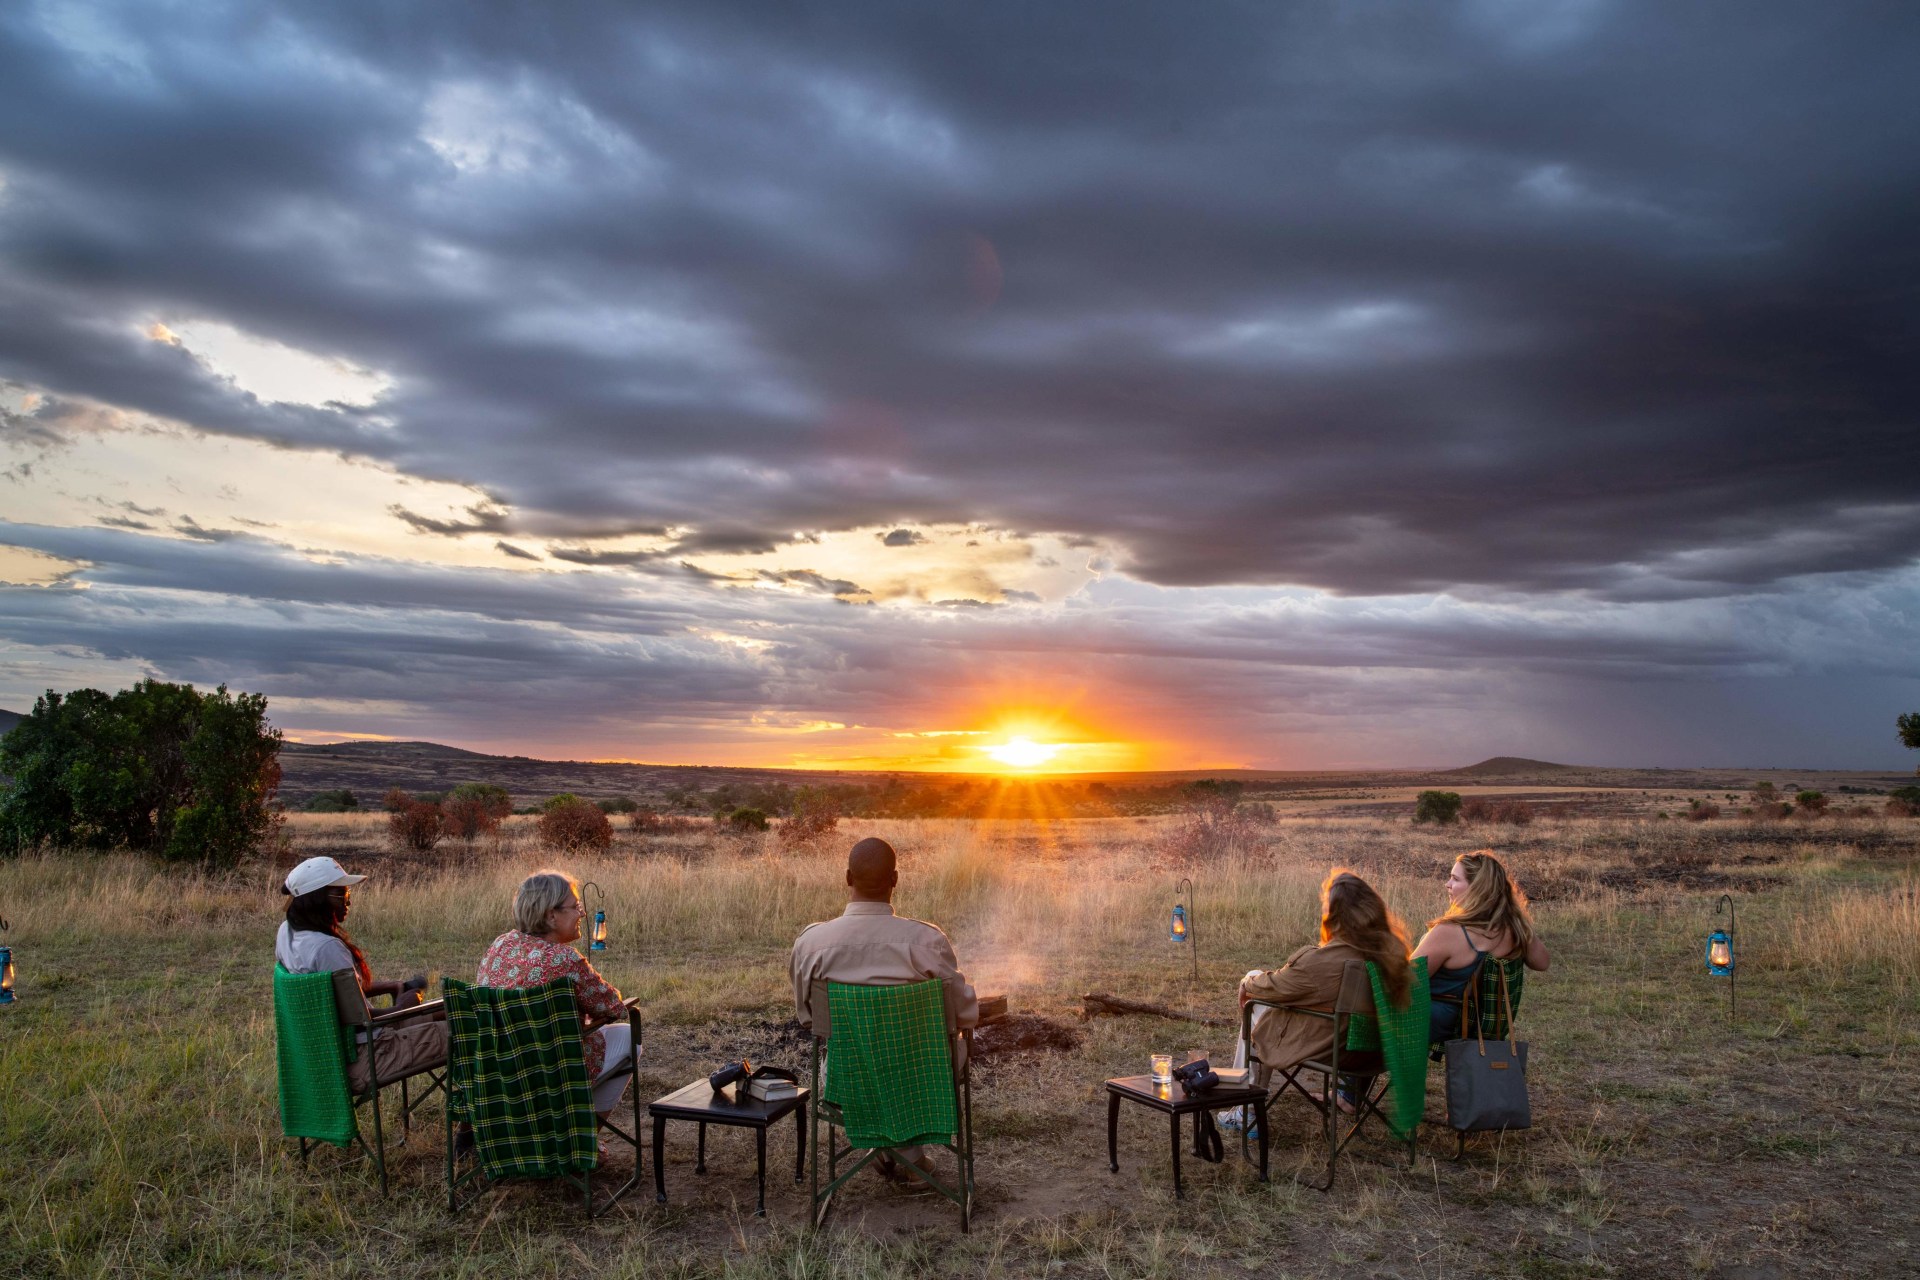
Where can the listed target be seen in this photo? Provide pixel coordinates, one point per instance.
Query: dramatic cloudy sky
(1276, 384)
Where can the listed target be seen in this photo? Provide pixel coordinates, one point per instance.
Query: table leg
(760, 1152)
(659, 1165)
(700, 1165)
(1174, 1133)
(799, 1143)
(1113, 1132)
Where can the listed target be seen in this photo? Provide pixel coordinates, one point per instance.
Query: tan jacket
(869, 944)
(1311, 976)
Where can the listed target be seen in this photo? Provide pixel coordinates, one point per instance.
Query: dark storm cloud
(901, 538)
(1614, 297)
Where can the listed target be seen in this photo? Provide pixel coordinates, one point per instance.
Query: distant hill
(8, 719)
(1508, 766)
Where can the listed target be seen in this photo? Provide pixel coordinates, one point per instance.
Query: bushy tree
(618, 804)
(474, 809)
(1909, 726)
(1811, 803)
(337, 801)
(161, 768)
(570, 824)
(415, 825)
(1440, 807)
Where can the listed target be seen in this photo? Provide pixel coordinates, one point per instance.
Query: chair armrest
(396, 1017)
(1317, 1010)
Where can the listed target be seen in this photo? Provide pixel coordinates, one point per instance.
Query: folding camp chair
(893, 1080)
(319, 1019)
(517, 1073)
(1376, 1049)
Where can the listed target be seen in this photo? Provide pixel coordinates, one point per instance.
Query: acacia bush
(1439, 807)
(415, 825)
(572, 825)
(1903, 802)
(1516, 813)
(744, 819)
(647, 821)
(475, 809)
(1702, 811)
(1810, 803)
(338, 801)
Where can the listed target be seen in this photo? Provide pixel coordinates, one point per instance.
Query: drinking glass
(1163, 1068)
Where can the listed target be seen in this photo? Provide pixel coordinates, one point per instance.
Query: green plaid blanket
(311, 1047)
(889, 1066)
(517, 1072)
(1404, 1046)
(1483, 997)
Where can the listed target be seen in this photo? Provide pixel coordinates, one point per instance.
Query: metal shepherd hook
(1193, 936)
(1733, 971)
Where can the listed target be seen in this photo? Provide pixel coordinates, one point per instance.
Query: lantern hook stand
(1733, 1004)
(1193, 936)
(594, 941)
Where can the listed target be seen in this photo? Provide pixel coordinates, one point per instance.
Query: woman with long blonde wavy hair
(1486, 916)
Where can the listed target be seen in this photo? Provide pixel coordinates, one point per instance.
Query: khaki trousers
(405, 1050)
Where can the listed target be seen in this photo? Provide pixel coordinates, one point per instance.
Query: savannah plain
(137, 1075)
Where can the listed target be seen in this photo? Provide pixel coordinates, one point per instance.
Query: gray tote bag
(1487, 1081)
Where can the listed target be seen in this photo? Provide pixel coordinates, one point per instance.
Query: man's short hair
(870, 866)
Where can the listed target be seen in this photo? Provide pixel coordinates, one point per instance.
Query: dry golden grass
(139, 1134)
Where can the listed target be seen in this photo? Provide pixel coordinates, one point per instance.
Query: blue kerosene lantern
(597, 939)
(6, 970)
(1720, 951)
(1180, 927)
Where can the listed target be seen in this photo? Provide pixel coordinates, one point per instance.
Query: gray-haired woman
(538, 949)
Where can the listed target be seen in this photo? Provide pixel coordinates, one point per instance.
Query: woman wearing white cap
(319, 895)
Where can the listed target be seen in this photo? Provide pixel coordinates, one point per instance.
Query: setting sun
(1023, 753)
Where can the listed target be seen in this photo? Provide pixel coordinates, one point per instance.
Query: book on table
(773, 1090)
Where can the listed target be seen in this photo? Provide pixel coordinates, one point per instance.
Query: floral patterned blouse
(520, 960)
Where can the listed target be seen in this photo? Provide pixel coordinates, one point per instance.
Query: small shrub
(418, 826)
(1702, 811)
(395, 801)
(560, 801)
(1903, 802)
(574, 826)
(1439, 807)
(1811, 803)
(814, 817)
(744, 819)
(618, 804)
(340, 801)
(1516, 813)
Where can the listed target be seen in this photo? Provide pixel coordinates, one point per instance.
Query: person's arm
(801, 970)
(1537, 958)
(939, 961)
(600, 1001)
(1440, 947)
(1291, 983)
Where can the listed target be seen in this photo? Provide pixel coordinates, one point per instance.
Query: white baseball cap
(318, 873)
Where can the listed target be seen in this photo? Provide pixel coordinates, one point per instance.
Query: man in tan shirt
(868, 944)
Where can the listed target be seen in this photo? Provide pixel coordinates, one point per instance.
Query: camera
(1196, 1077)
(732, 1073)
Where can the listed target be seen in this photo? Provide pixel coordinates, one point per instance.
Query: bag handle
(1507, 1005)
